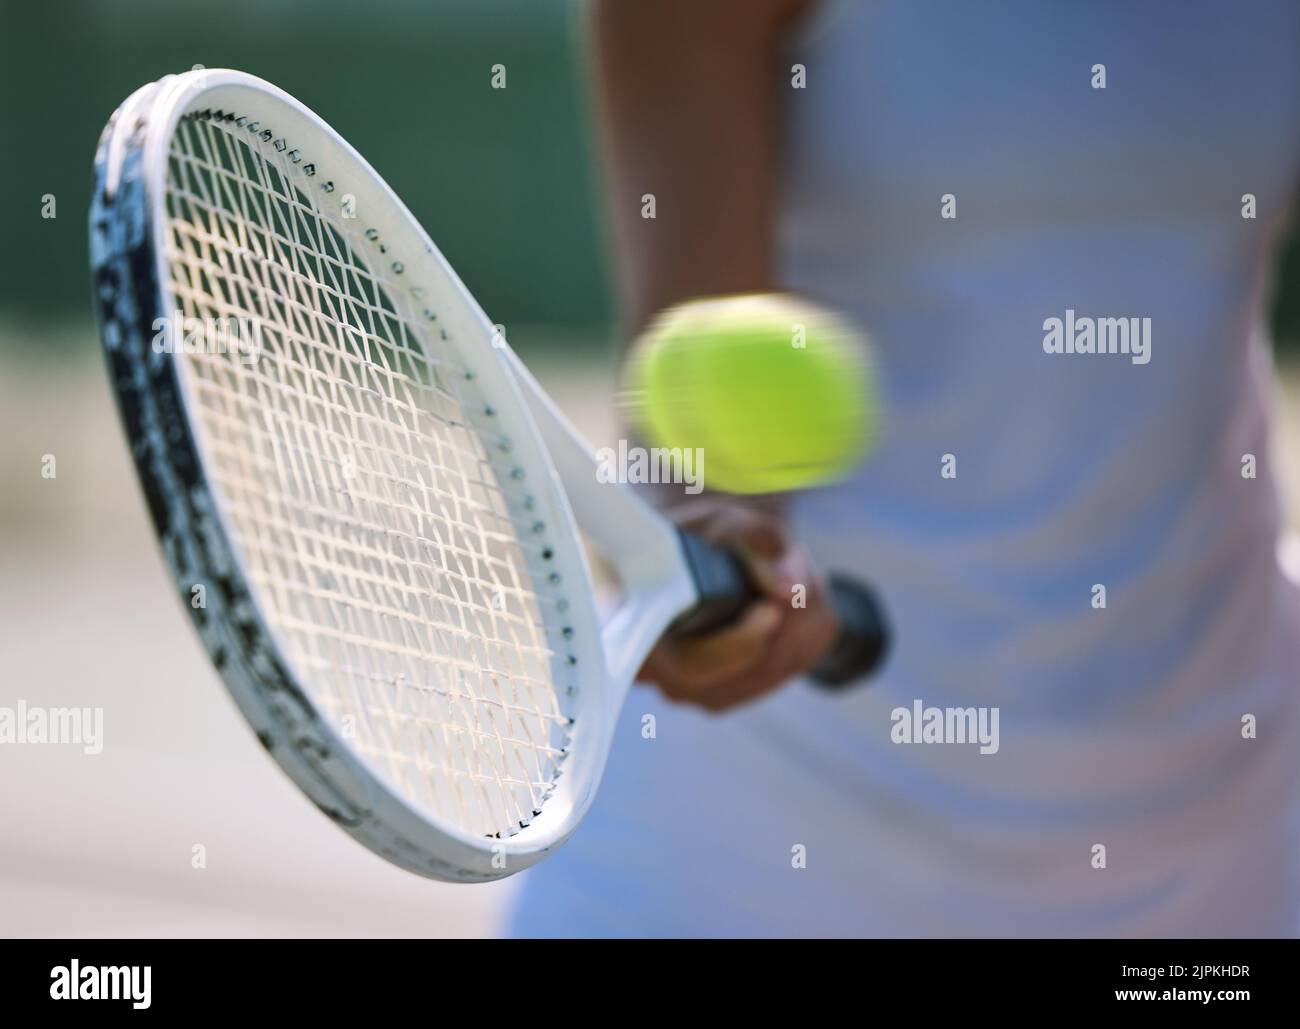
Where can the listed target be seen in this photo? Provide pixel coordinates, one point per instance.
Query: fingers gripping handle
(725, 590)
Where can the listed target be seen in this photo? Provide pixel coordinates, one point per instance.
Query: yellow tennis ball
(776, 393)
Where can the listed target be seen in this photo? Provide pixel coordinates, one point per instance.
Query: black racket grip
(725, 590)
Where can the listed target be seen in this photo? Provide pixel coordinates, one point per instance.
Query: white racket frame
(128, 226)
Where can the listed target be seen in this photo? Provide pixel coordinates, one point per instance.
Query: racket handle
(725, 590)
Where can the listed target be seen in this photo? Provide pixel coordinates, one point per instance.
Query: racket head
(394, 590)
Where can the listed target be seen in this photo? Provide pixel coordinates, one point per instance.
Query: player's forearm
(686, 95)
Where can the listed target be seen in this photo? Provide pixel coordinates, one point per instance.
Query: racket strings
(390, 483)
(365, 488)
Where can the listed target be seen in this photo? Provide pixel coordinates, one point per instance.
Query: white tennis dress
(1145, 775)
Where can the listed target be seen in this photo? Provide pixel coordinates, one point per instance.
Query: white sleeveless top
(1124, 796)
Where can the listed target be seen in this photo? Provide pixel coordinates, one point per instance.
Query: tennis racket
(370, 507)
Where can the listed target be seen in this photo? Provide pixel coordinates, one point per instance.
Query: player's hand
(772, 642)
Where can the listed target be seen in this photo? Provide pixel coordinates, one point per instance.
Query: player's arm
(687, 103)
(687, 95)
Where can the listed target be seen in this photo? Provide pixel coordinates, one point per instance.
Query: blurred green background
(501, 178)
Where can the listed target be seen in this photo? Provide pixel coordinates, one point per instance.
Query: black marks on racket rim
(128, 299)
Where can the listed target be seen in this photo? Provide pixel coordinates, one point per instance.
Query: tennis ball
(776, 392)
